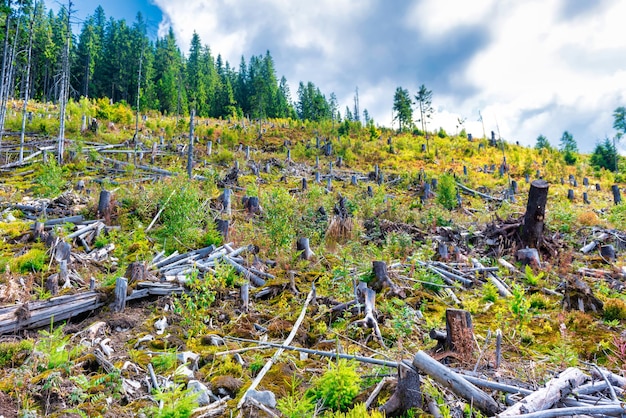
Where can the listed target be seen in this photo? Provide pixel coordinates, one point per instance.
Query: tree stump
(52, 284)
(407, 394)
(121, 287)
(608, 252)
(104, 205)
(586, 198)
(382, 280)
(252, 205)
(460, 333)
(225, 199)
(303, 245)
(577, 295)
(570, 195)
(532, 229)
(617, 197)
(222, 225)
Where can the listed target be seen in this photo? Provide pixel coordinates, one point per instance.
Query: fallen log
(555, 390)
(472, 192)
(611, 410)
(457, 383)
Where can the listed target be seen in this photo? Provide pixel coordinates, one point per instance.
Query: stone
(205, 395)
(264, 397)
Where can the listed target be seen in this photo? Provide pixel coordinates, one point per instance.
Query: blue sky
(529, 67)
(126, 9)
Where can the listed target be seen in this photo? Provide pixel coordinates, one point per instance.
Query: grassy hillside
(374, 208)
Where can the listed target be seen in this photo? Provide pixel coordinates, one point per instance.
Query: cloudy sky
(529, 67)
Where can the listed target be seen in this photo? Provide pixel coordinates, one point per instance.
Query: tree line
(110, 58)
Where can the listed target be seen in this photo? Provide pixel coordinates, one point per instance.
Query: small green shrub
(295, 405)
(164, 362)
(490, 292)
(338, 386)
(446, 192)
(614, 309)
(49, 179)
(177, 403)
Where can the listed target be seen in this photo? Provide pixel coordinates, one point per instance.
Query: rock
(264, 397)
(187, 356)
(205, 395)
(160, 325)
(184, 371)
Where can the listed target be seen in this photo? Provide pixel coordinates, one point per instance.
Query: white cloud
(538, 70)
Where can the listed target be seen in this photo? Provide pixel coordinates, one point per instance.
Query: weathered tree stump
(104, 205)
(598, 188)
(52, 284)
(460, 333)
(382, 280)
(617, 197)
(225, 199)
(608, 252)
(407, 394)
(570, 195)
(532, 229)
(121, 287)
(586, 198)
(577, 295)
(252, 205)
(302, 245)
(304, 184)
(222, 225)
(370, 191)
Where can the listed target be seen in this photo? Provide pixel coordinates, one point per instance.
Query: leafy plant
(530, 276)
(359, 411)
(295, 405)
(49, 179)
(164, 362)
(519, 305)
(446, 192)
(176, 403)
(55, 353)
(490, 292)
(338, 386)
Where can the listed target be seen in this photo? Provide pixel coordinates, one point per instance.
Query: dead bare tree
(27, 84)
(65, 85)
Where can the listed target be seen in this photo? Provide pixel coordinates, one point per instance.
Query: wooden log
(532, 229)
(280, 351)
(554, 390)
(460, 333)
(64, 275)
(407, 394)
(104, 205)
(302, 246)
(456, 383)
(617, 197)
(121, 287)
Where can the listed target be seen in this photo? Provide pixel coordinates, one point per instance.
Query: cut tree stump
(577, 295)
(303, 245)
(222, 225)
(617, 197)
(381, 280)
(532, 229)
(104, 205)
(460, 333)
(407, 394)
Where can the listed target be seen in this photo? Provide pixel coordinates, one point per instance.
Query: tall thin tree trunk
(5, 55)
(27, 87)
(65, 83)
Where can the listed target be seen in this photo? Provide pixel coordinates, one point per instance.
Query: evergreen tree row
(111, 59)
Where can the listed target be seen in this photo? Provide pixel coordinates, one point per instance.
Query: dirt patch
(8, 407)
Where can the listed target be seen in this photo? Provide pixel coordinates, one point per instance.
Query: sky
(528, 67)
